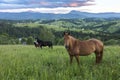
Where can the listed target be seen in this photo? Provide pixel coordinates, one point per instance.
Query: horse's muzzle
(67, 47)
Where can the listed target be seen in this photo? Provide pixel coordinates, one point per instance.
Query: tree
(4, 39)
(46, 34)
(30, 40)
(111, 42)
(24, 40)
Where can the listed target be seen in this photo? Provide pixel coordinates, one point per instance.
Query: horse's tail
(101, 52)
(51, 45)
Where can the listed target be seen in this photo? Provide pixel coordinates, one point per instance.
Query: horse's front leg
(77, 58)
(71, 59)
(41, 47)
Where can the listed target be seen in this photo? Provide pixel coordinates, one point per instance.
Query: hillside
(110, 25)
(108, 30)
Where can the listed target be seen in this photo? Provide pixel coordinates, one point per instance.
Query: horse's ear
(66, 33)
(63, 33)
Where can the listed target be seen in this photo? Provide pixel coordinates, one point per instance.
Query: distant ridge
(70, 15)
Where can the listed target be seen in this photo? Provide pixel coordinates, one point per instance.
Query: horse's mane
(73, 41)
(72, 37)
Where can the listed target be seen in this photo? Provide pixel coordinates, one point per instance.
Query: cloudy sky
(60, 6)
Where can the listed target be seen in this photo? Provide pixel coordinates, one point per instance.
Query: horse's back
(86, 47)
(98, 44)
(49, 43)
(96, 41)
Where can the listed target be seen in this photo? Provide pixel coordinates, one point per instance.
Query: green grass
(18, 62)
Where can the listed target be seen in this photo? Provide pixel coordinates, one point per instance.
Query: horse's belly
(85, 53)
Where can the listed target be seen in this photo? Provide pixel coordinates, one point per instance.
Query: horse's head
(66, 40)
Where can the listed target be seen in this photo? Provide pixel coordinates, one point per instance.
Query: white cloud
(6, 6)
(100, 6)
(104, 6)
(42, 10)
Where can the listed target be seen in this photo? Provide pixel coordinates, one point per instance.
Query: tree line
(10, 34)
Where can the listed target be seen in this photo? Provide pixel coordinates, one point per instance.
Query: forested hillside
(25, 31)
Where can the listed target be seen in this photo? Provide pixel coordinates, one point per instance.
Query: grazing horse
(78, 48)
(36, 44)
(44, 43)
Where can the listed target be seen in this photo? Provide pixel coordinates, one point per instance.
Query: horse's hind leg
(51, 47)
(101, 55)
(98, 57)
(41, 47)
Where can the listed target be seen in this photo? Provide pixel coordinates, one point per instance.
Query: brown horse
(78, 48)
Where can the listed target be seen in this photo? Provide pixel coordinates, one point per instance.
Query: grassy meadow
(23, 62)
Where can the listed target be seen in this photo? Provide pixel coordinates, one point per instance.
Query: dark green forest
(25, 31)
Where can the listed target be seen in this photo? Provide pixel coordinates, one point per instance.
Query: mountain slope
(71, 15)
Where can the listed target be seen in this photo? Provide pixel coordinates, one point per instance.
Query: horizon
(29, 11)
(60, 7)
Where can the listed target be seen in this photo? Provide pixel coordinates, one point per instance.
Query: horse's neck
(73, 41)
(72, 38)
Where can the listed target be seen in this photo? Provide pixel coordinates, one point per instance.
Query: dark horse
(36, 44)
(44, 43)
(78, 48)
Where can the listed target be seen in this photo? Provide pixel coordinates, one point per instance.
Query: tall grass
(18, 62)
